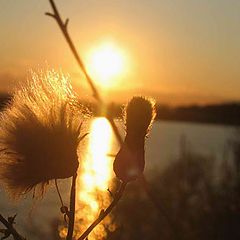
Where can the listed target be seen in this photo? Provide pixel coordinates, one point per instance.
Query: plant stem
(72, 208)
(96, 95)
(63, 27)
(11, 229)
(104, 213)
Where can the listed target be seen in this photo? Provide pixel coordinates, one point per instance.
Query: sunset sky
(178, 51)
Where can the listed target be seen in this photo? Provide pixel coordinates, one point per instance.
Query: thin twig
(11, 229)
(63, 27)
(104, 213)
(96, 95)
(72, 208)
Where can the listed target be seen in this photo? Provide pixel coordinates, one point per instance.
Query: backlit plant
(40, 134)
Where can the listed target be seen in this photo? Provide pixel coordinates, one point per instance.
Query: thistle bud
(39, 134)
(130, 160)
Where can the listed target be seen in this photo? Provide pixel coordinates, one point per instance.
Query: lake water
(167, 139)
(36, 218)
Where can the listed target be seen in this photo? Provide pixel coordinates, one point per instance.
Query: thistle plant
(130, 160)
(39, 134)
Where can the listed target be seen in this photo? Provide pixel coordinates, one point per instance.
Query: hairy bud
(130, 160)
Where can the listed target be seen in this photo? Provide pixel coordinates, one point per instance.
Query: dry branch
(104, 213)
(63, 27)
(10, 230)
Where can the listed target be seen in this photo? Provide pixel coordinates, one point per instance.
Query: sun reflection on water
(94, 179)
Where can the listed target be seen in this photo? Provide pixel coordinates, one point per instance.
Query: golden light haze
(107, 64)
(179, 52)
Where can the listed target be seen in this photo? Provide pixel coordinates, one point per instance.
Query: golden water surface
(94, 179)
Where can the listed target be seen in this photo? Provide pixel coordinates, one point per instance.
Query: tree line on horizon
(221, 113)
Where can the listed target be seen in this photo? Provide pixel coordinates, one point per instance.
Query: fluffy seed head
(39, 134)
(139, 115)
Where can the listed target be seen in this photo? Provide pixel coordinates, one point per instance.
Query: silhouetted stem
(72, 208)
(63, 27)
(104, 213)
(11, 229)
(96, 95)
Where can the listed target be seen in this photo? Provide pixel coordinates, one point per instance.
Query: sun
(106, 64)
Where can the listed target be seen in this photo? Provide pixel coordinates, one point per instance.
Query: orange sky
(180, 52)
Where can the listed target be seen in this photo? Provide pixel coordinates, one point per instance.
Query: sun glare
(106, 64)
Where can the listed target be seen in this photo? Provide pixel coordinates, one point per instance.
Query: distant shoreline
(227, 114)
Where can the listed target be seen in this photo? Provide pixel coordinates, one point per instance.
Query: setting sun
(106, 64)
